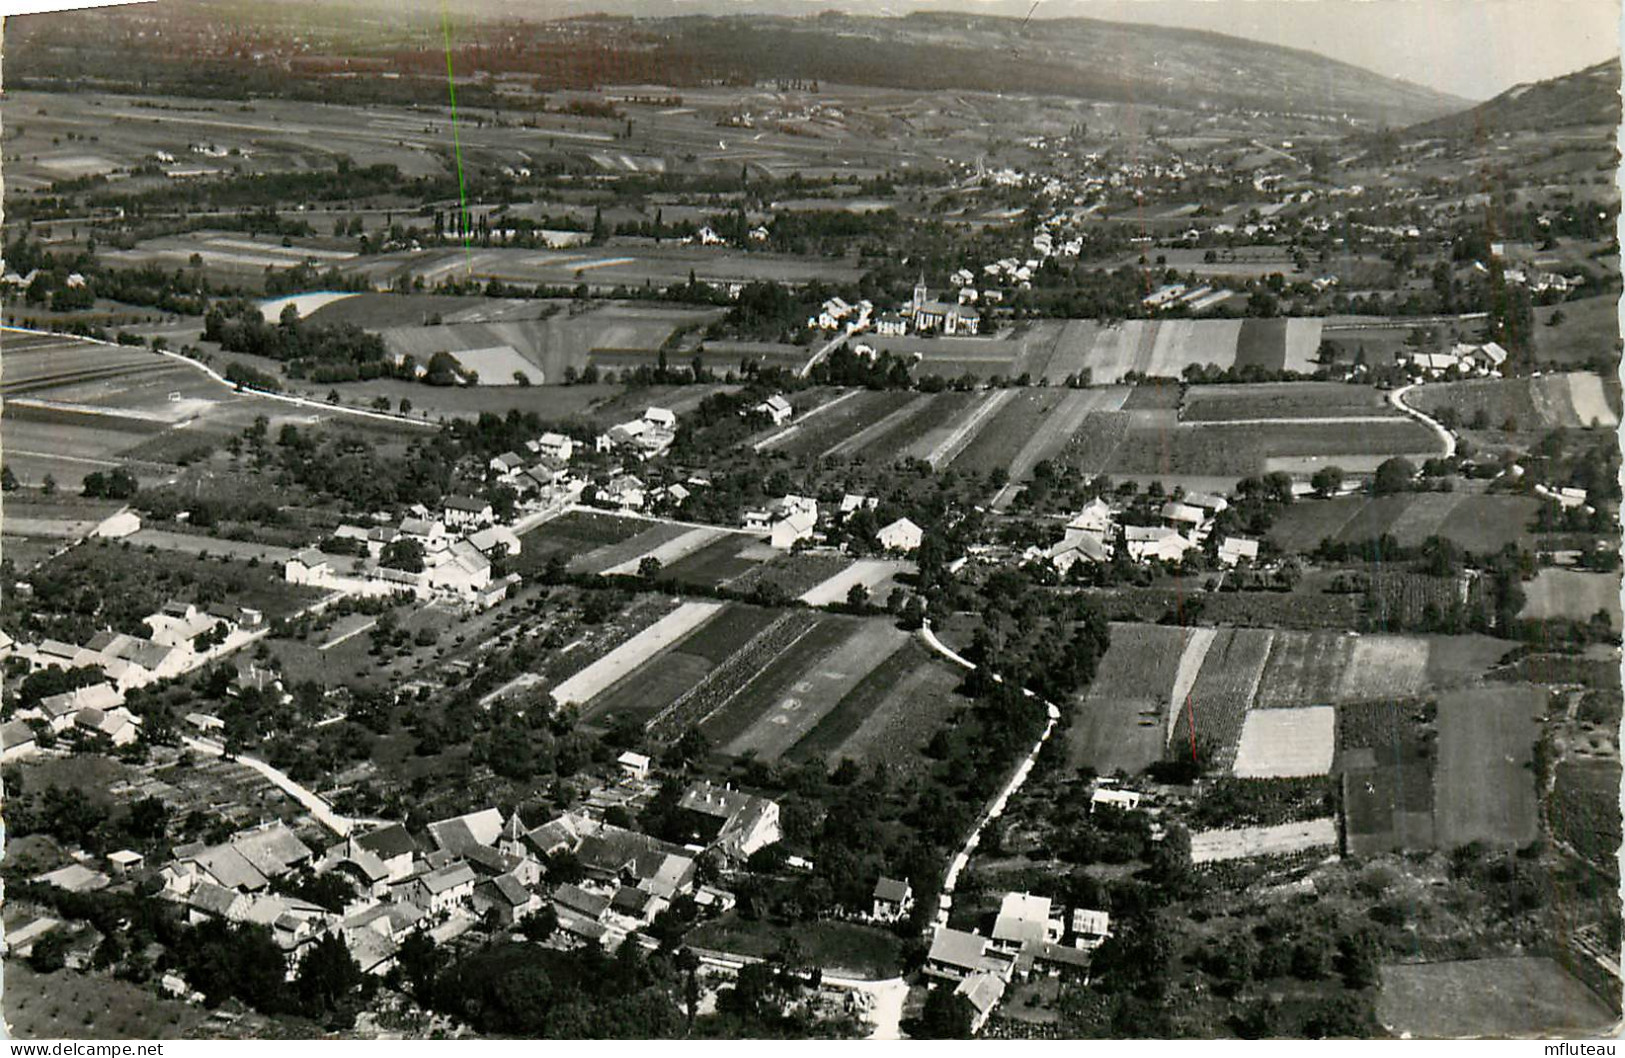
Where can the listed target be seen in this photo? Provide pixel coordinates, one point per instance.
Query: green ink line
(456, 141)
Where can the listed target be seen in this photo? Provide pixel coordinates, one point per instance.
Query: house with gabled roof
(462, 832)
(443, 889)
(505, 897)
(732, 820)
(893, 899)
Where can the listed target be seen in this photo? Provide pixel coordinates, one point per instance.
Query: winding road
(1396, 397)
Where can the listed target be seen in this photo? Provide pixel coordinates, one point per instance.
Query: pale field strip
(297, 252)
(1190, 664)
(304, 304)
(961, 438)
(1213, 846)
(1589, 400)
(868, 572)
(1302, 344)
(1384, 666)
(670, 551)
(1287, 743)
(138, 414)
(795, 428)
(626, 658)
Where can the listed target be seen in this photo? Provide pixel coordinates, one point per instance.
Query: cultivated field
(669, 551)
(1121, 724)
(575, 534)
(629, 656)
(819, 689)
(667, 676)
(738, 720)
(1164, 348)
(1283, 839)
(1507, 997)
(1224, 687)
(1287, 743)
(723, 561)
(878, 575)
(1483, 788)
(888, 717)
(1576, 399)
(1034, 426)
(1284, 400)
(73, 406)
(1476, 522)
(1317, 668)
(1570, 593)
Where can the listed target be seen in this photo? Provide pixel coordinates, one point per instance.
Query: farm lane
(1397, 398)
(319, 809)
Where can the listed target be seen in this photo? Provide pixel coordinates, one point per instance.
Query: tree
(1393, 475)
(327, 975)
(48, 485)
(8, 480)
(1327, 480)
(540, 924)
(946, 1016)
(649, 568)
(402, 554)
(49, 954)
(858, 598)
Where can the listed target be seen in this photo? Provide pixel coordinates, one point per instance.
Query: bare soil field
(635, 652)
(1282, 839)
(1287, 743)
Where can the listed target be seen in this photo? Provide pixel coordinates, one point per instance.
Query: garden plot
(818, 691)
(1314, 668)
(632, 654)
(575, 534)
(1483, 788)
(1284, 839)
(734, 720)
(722, 561)
(1287, 743)
(678, 671)
(670, 551)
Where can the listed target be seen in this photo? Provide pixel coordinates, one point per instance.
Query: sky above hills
(1469, 48)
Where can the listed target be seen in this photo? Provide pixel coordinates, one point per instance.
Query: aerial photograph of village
(775, 519)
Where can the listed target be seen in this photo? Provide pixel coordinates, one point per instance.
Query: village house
(555, 446)
(442, 890)
(893, 900)
(956, 955)
(634, 765)
(466, 512)
(460, 833)
(776, 408)
(1183, 517)
(736, 822)
(891, 325)
(506, 463)
(901, 535)
(1236, 549)
(118, 726)
(625, 491)
(309, 566)
(505, 898)
(1024, 919)
(982, 991)
(59, 711)
(1090, 929)
(1147, 542)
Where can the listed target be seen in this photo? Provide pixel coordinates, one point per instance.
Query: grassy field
(70, 1005)
(1483, 787)
(1508, 997)
(1476, 522)
(1584, 811)
(1008, 430)
(924, 429)
(1122, 722)
(723, 561)
(794, 573)
(824, 431)
(1570, 593)
(1283, 400)
(837, 725)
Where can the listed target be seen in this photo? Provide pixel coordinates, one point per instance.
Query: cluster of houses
(181, 637)
(792, 519)
(837, 313)
(458, 547)
(479, 868)
(1186, 523)
(645, 437)
(927, 315)
(1030, 935)
(542, 467)
(1179, 296)
(1464, 360)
